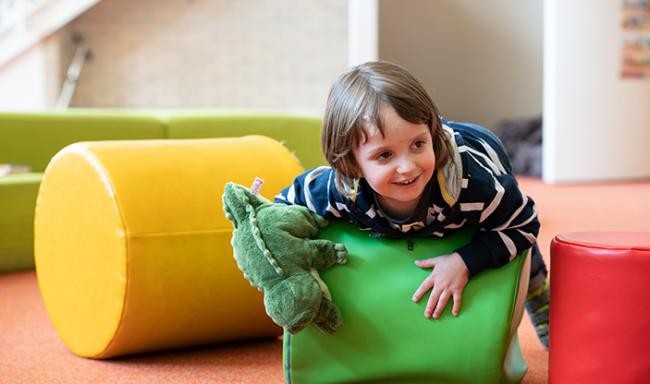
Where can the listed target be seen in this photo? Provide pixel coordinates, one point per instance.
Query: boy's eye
(419, 144)
(384, 155)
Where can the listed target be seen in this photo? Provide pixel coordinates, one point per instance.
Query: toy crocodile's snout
(231, 199)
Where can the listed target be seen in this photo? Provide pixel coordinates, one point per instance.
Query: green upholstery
(301, 134)
(385, 337)
(34, 137)
(17, 201)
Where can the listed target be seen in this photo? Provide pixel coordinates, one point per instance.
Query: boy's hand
(447, 279)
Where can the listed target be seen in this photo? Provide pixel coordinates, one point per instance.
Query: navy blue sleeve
(316, 190)
(493, 200)
(508, 222)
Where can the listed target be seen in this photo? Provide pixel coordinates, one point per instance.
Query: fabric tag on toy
(257, 186)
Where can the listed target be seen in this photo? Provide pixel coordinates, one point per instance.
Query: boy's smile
(398, 164)
(406, 182)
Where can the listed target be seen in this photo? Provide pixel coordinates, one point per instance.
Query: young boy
(399, 170)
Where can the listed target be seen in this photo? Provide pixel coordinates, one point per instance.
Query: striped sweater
(475, 187)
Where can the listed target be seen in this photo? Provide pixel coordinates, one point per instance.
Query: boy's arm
(315, 189)
(509, 224)
(508, 221)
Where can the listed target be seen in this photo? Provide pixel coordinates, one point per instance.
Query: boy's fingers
(433, 301)
(426, 263)
(442, 303)
(458, 298)
(422, 289)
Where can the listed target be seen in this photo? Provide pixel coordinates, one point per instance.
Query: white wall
(596, 125)
(480, 60)
(31, 80)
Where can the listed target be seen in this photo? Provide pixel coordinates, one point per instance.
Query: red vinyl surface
(608, 240)
(600, 316)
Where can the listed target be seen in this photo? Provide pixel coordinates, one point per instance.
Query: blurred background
(499, 63)
(272, 54)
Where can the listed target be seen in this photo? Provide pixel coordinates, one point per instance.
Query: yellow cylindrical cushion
(132, 247)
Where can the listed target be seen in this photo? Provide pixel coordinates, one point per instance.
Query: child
(399, 170)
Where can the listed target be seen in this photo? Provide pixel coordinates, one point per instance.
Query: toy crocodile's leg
(329, 317)
(320, 220)
(293, 302)
(303, 223)
(326, 253)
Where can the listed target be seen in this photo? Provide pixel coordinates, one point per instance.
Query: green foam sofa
(32, 138)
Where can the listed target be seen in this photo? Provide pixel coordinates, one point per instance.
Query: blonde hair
(353, 104)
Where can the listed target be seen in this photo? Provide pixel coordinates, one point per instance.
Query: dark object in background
(522, 139)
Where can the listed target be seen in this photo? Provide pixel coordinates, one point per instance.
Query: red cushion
(600, 308)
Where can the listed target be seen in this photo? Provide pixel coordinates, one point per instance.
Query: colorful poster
(636, 39)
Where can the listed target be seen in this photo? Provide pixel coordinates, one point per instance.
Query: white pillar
(596, 123)
(363, 31)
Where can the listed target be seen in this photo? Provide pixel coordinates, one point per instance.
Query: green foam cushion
(300, 134)
(17, 201)
(385, 337)
(34, 137)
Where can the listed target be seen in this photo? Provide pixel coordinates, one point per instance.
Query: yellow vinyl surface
(80, 254)
(133, 249)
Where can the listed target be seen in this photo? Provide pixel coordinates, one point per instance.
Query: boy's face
(397, 165)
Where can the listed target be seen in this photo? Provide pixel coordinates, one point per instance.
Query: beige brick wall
(280, 54)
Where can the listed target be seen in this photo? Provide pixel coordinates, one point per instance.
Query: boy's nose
(405, 165)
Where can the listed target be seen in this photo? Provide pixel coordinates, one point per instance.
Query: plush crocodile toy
(274, 248)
